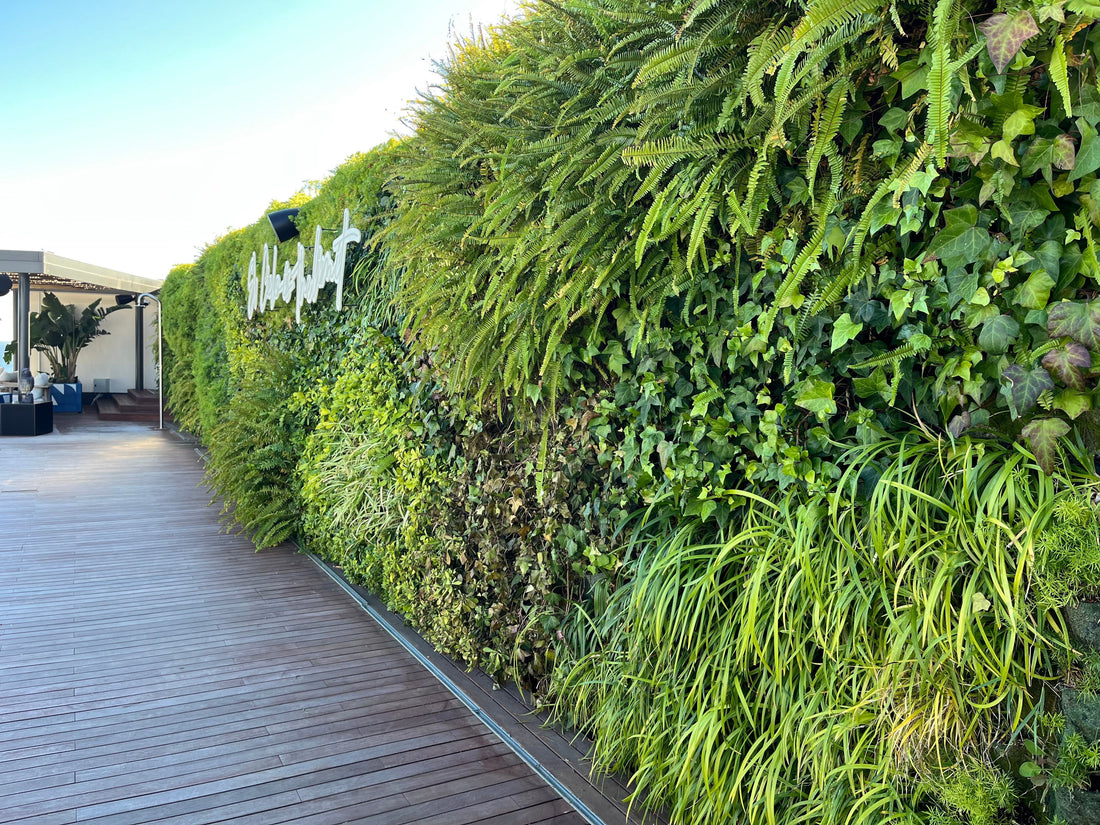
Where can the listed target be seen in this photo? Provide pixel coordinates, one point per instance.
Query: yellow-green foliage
(973, 793)
(434, 508)
(370, 492)
(814, 661)
(1068, 554)
(182, 306)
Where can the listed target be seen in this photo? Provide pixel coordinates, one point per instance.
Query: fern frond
(907, 350)
(823, 16)
(940, 33)
(827, 121)
(807, 258)
(1059, 73)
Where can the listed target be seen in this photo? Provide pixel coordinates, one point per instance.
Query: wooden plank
(154, 669)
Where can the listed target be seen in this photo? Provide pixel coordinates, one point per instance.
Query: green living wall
(725, 374)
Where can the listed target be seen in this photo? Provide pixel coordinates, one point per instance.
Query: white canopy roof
(50, 271)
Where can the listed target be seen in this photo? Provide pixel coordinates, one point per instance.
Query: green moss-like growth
(973, 794)
(1068, 554)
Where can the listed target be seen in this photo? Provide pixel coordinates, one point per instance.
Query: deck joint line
(546, 775)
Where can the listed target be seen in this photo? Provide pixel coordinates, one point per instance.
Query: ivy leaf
(1072, 403)
(844, 330)
(895, 120)
(959, 424)
(1035, 292)
(970, 139)
(962, 285)
(1049, 256)
(617, 359)
(1078, 320)
(960, 242)
(874, 384)
(1027, 212)
(1067, 363)
(1042, 435)
(998, 334)
(1005, 36)
(883, 214)
(912, 76)
(1003, 150)
(1025, 387)
(980, 603)
(1065, 153)
(817, 397)
(1020, 122)
(1039, 156)
(1088, 158)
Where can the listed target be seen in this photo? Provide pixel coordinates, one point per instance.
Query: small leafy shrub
(1086, 677)
(434, 506)
(368, 486)
(973, 793)
(1068, 553)
(1076, 760)
(528, 550)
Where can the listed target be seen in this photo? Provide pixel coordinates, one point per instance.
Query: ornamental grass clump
(815, 660)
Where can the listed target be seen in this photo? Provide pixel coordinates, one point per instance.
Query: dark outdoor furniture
(26, 419)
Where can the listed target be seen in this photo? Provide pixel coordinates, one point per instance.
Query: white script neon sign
(328, 268)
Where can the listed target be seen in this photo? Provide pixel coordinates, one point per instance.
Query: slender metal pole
(160, 357)
(139, 347)
(23, 316)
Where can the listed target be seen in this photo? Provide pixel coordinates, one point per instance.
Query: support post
(160, 353)
(23, 320)
(139, 348)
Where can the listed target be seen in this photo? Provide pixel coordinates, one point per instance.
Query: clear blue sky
(134, 133)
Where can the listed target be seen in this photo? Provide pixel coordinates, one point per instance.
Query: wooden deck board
(154, 669)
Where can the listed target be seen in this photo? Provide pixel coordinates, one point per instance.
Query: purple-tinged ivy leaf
(1079, 320)
(1065, 153)
(959, 424)
(1042, 436)
(1005, 36)
(1025, 387)
(1068, 364)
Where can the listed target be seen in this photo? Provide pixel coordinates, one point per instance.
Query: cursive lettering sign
(328, 268)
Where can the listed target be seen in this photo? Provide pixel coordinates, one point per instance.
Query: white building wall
(7, 323)
(108, 356)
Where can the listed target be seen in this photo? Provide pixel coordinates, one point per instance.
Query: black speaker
(283, 224)
(5, 284)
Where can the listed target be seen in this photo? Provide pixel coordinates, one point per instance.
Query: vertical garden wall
(725, 374)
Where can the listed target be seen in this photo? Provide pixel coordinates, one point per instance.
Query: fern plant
(253, 452)
(596, 155)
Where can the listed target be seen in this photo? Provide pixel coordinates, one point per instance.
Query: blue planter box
(66, 397)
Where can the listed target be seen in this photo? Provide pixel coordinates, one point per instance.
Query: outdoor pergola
(42, 271)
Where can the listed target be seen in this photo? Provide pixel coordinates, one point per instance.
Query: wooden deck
(156, 670)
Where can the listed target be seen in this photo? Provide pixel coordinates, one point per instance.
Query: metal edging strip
(470, 704)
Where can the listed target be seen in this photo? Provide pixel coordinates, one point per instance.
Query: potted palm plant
(60, 332)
